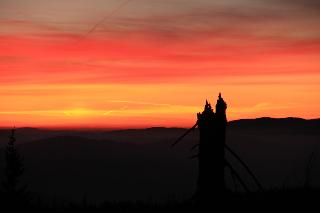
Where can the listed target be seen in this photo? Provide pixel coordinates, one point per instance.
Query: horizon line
(110, 128)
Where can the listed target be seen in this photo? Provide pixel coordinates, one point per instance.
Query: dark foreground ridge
(126, 170)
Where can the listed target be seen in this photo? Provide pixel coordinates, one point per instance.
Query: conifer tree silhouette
(15, 196)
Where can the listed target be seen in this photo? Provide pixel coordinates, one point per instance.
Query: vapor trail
(114, 11)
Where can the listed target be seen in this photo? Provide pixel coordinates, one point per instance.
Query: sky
(142, 63)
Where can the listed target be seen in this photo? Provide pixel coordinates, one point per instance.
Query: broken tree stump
(211, 156)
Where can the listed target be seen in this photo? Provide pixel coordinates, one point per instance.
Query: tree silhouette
(211, 184)
(13, 193)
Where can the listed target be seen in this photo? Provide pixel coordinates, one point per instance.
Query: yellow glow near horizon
(81, 105)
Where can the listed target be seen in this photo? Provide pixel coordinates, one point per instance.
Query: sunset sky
(142, 63)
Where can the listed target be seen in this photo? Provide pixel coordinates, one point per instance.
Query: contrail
(139, 103)
(114, 11)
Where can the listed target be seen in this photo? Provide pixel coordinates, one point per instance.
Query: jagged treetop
(221, 105)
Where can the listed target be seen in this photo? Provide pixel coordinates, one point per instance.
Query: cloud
(168, 20)
(310, 5)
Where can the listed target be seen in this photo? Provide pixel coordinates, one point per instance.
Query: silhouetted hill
(135, 135)
(285, 125)
(140, 164)
(71, 167)
(292, 125)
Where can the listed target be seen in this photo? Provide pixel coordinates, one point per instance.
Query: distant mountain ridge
(285, 125)
(290, 124)
(287, 120)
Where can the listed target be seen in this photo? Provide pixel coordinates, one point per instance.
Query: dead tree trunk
(212, 127)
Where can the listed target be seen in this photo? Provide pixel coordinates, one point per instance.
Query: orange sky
(154, 63)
